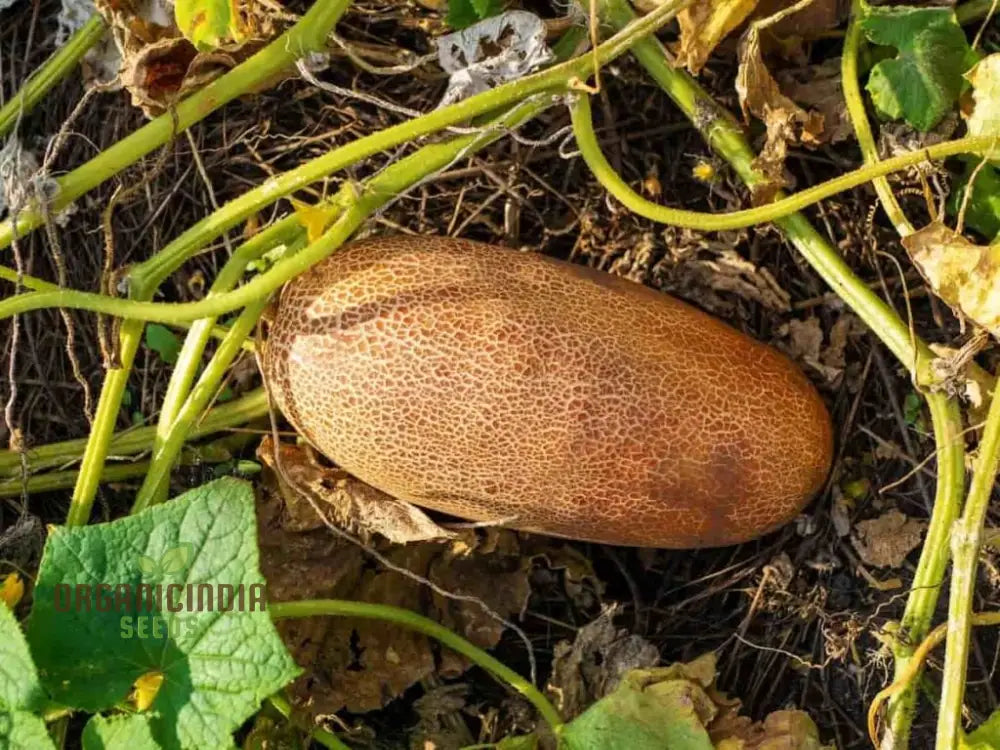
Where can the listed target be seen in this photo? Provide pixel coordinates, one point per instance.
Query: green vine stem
(859, 118)
(137, 440)
(966, 541)
(61, 480)
(189, 358)
(170, 445)
(412, 621)
(714, 222)
(323, 737)
(50, 73)
(307, 35)
(40, 285)
(725, 136)
(946, 419)
(833, 268)
(279, 55)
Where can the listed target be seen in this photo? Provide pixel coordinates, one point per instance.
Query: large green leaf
(21, 730)
(20, 687)
(121, 732)
(986, 736)
(923, 82)
(92, 640)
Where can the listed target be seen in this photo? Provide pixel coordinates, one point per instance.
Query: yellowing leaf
(208, 23)
(11, 590)
(963, 274)
(984, 119)
(146, 688)
(314, 217)
(703, 25)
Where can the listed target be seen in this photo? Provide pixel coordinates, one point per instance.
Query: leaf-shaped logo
(148, 566)
(175, 560)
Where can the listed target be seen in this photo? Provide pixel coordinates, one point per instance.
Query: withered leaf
(704, 25)
(819, 87)
(159, 66)
(786, 122)
(679, 706)
(348, 502)
(360, 664)
(886, 541)
(983, 117)
(592, 665)
(963, 274)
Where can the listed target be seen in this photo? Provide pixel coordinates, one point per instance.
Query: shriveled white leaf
(72, 16)
(475, 66)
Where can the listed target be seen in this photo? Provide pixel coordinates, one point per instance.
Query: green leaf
(464, 13)
(217, 666)
(119, 732)
(650, 710)
(19, 684)
(923, 82)
(519, 742)
(21, 729)
(983, 210)
(208, 23)
(163, 341)
(986, 736)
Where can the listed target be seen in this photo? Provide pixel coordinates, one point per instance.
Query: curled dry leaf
(884, 542)
(158, 65)
(362, 665)
(803, 341)
(592, 665)
(348, 502)
(808, 23)
(496, 50)
(819, 88)
(786, 122)
(963, 274)
(703, 25)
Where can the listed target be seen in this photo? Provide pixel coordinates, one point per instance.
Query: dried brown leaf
(785, 121)
(703, 25)
(360, 664)
(808, 23)
(803, 340)
(819, 88)
(590, 667)
(884, 542)
(348, 502)
(965, 275)
(780, 730)
(159, 66)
